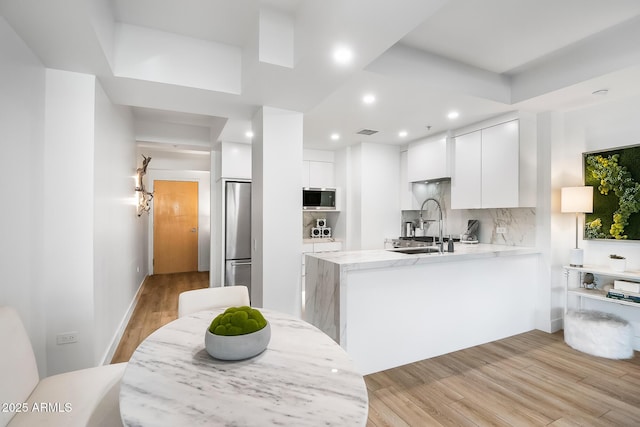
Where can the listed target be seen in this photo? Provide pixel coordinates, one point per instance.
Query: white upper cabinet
(466, 183)
(234, 161)
(320, 174)
(500, 166)
(405, 186)
(412, 194)
(428, 159)
(494, 167)
(318, 169)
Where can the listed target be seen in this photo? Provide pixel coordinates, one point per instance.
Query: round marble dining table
(303, 378)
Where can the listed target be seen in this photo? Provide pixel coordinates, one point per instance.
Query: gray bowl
(237, 347)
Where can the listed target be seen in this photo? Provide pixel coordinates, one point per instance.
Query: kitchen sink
(416, 250)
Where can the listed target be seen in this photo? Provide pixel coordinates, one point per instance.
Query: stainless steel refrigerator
(238, 234)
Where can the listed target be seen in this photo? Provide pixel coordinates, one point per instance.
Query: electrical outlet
(501, 230)
(66, 338)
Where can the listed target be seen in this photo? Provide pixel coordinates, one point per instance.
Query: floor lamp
(576, 200)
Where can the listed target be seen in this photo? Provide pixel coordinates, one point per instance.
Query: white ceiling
(421, 59)
(501, 35)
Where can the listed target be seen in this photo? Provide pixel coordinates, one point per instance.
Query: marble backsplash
(309, 221)
(520, 223)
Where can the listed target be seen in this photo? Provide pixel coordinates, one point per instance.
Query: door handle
(234, 263)
(194, 229)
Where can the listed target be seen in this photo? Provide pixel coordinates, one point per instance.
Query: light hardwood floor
(157, 306)
(532, 379)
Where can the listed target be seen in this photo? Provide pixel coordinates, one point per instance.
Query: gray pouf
(599, 334)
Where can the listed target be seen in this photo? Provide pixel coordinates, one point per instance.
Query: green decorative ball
(238, 321)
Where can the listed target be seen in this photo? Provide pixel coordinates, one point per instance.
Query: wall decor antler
(144, 197)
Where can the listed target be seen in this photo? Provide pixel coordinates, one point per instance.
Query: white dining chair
(203, 299)
(88, 397)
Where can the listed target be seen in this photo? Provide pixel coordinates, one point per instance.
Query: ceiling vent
(366, 132)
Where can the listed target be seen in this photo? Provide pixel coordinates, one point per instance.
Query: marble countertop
(303, 378)
(381, 258)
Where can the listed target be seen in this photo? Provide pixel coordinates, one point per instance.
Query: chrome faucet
(421, 222)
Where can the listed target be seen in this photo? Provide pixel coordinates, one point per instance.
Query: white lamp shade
(576, 200)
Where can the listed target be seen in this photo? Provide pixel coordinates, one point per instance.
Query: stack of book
(627, 291)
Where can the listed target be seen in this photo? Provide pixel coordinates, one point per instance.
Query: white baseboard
(115, 341)
(556, 325)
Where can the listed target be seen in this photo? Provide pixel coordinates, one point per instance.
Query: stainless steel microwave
(319, 199)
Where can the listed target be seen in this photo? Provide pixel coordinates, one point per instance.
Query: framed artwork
(615, 177)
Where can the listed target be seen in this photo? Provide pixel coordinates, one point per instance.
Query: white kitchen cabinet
(235, 160)
(494, 167)
(406, 196)
(412, 194)
(466, 184)
(317, 174)
(428, 159)
(327, 246)
(500, 171)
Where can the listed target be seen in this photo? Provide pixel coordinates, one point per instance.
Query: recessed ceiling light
(600, 92)
(342, 55)
(453, 115)
(403, 133)
(335, 136)
(369, 99)
(249, 134)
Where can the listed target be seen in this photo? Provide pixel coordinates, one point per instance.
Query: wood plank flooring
(532, 379)
(157, 306)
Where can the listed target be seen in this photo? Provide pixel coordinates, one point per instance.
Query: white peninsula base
(386, 312)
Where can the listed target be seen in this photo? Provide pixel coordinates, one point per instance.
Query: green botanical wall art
(615, 177)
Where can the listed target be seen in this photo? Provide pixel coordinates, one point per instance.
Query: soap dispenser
(450, 244)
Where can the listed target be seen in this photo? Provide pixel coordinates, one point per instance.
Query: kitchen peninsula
(387, 308)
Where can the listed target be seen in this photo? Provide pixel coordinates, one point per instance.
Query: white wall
(22, 85)
(380, 198)
(68, 223)
(120, 236)
(176, 160)
(276, 214)
(373, 200)
(69, 239)
(609, 125)
(353, 162)
(342, 181)
(550, 129)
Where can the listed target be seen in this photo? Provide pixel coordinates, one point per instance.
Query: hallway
(157, 306)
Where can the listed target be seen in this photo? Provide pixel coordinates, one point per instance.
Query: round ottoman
(599, 334)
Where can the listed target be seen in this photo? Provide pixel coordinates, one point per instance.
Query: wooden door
(175, 226)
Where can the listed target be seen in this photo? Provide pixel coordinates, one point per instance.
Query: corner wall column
(276, 210)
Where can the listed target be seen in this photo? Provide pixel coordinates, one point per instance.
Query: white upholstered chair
(91, 394)
(203, 299)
